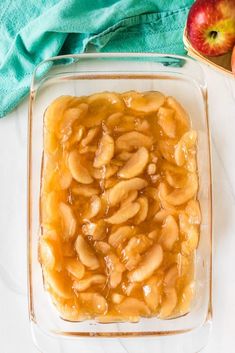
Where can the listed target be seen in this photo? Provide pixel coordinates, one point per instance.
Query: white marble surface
(14, 327)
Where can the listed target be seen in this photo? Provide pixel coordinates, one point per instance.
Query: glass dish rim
(116, 334)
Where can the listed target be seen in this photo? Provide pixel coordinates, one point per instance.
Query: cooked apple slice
(119, 191)
(135, 165)
(105, 151)
(131, 140)
(78, 171)
(147, 102)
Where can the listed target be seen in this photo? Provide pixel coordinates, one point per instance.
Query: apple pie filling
(119, 211)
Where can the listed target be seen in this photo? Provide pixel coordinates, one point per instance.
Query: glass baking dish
(85, 74)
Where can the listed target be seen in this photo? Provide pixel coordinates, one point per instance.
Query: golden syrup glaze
(119, 215)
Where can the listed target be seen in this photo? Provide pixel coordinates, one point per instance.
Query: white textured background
(14, 327)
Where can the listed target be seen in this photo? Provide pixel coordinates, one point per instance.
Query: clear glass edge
(203, 86)
(202, 83)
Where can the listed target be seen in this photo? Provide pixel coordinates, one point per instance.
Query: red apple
(211, 26)
(233, 61)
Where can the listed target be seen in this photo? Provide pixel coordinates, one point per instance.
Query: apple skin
(233, 61)
(211, 26)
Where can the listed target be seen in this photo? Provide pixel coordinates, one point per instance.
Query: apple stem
(213, 34)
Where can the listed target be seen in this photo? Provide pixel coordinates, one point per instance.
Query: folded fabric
(38, 29)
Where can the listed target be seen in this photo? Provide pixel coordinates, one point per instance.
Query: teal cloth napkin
(33, 30)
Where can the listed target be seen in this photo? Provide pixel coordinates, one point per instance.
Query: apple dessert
(120, 217)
